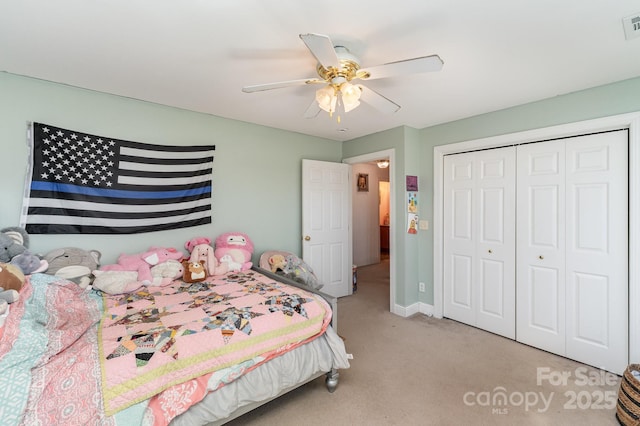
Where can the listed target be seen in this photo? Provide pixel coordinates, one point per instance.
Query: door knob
(307, 238)
(490, 251)
(541, 257)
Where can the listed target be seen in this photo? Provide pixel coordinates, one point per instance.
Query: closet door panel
(495, 247)
(462, 280)
(544, 300)
(543, 220)
(591, 320)
(459, 247)
(479, 239)
(597, 250)
(540, 296)
(492, 289)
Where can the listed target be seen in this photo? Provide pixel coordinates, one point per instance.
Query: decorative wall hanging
(363, 182)
(412, 223)
(85, 184)
(412, 202)
(412, 183)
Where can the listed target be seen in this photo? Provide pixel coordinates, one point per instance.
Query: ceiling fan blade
(313, 110)
(378, 101)
(321, 47)
(281, 84)
(408, 66)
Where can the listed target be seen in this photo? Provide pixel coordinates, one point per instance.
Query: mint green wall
(257, 169)
(602, 101)
(414, 155)
(392, 139)
(408, 146)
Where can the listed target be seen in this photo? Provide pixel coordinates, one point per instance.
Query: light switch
(423, 225)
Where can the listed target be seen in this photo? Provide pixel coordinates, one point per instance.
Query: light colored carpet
(425, 371)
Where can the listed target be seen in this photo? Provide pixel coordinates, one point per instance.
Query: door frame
(630, 121)
(378, 155)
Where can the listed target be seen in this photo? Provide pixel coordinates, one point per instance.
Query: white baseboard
(416, 308)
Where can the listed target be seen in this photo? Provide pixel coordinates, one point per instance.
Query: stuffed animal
(29, 263)
(277, 261)
(121, 282)
(201, 250)
(11, 282)
(116, 282)
(142, 263)
(236, 249)
(194, 271)
(73, 264)
(299, 271)
(6, 298)
(13, 241)
(11, 277)
(166, 272)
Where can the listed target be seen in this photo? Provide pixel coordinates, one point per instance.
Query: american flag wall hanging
(79, 183)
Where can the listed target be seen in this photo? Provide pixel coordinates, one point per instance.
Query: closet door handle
(541, 257)
(490, 251)
(307, 238)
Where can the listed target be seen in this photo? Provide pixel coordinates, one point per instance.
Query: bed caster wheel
(332, 381)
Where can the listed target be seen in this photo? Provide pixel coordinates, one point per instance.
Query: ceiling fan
(338, 68)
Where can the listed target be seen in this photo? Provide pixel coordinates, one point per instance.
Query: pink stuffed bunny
(142, 263)
(201, 249)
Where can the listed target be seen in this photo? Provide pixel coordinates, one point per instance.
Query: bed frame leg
(332, 380)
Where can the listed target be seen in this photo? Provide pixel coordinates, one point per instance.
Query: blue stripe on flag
(117, 193)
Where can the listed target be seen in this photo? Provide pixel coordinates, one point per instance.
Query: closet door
(597, 250)
(479, 246)
(541, 246)
(572, 292)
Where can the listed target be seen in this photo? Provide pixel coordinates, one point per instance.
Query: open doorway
(372, 216)
(384, 216)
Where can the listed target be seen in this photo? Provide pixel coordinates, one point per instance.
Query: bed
(182, 354)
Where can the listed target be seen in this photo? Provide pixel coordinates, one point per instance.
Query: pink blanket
(161, 337)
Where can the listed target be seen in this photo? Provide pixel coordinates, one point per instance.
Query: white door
(573, 248)
(479, 239)
(541, 246)
(597, 250)
(326, 228)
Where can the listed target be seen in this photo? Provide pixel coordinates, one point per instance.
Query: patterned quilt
(164, 336)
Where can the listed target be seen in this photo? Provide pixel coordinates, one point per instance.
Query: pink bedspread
(164, 336)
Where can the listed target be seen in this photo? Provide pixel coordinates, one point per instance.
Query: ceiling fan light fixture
(383, 164)
(350, 96)
(327, 97)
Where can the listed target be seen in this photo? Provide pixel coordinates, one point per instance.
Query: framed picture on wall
(412, 183)
(363, 182)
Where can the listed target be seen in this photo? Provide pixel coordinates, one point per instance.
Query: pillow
(299, 271)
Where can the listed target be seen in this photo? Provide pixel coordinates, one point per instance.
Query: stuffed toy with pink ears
(142, 263)
(201, 250)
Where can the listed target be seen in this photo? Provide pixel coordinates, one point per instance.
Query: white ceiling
(197, 54)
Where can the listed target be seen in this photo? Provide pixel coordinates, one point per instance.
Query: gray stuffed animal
(296, 269)
(74, 264)
(29, 263)
(13, 241)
